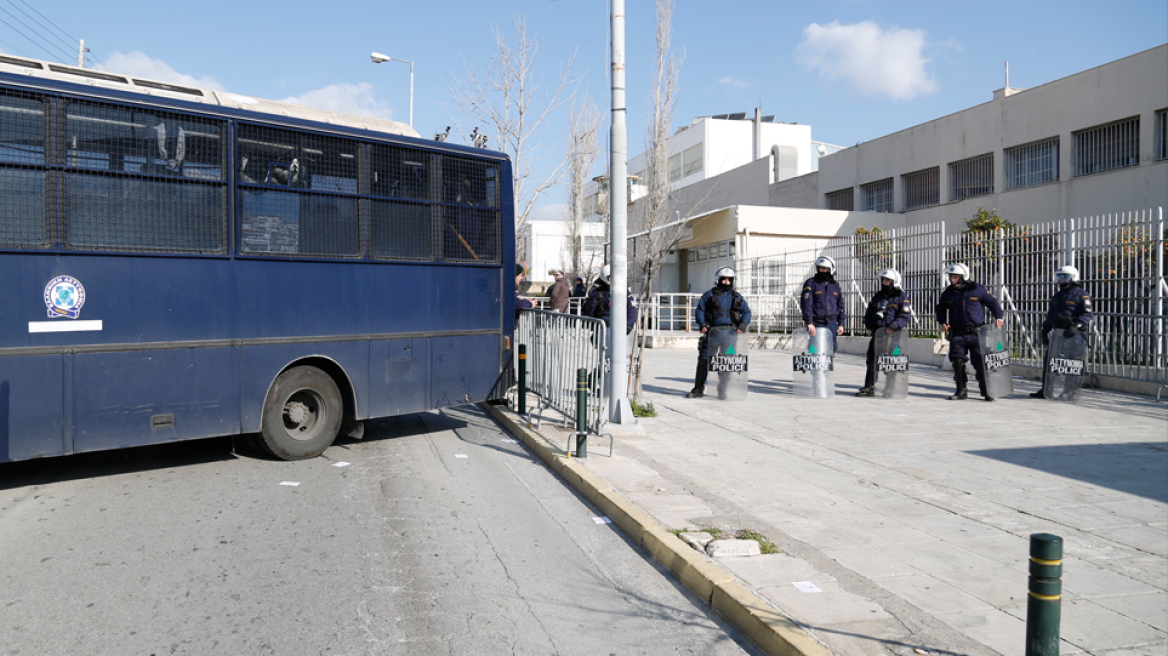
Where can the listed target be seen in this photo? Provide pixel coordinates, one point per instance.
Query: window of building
(1032, 164)
(843, 199)
(971, 177)
(691, 160)
(1161, 143)
(878, 196)
(922, 188)
(1107, 147)
(675, 168)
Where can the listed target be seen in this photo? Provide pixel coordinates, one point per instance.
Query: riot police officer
(888, 310)
(822, 302)
(1069, 311)
(599, 303)
(960, 311)
(720, 306)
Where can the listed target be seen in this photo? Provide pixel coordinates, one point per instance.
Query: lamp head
(378, 58)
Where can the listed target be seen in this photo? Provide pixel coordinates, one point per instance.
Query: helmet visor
(1063, 278)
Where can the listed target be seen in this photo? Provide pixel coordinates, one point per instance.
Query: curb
(776, 634)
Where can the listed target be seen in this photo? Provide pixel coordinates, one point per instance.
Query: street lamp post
(379, 58)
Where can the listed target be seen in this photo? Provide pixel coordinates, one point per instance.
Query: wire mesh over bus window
(401, 231)
(470, 234)
(467, 181)
(311, 225)
(23, 221)
(297, 160)
(399, 172)
(143, 180)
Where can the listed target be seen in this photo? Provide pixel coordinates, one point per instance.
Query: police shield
(729, 351)
(996, 349)
(813, 369)
(892, 363)
(1066, 364)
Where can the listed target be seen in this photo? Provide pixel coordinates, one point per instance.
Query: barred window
(1107, 147)
(843, 199)
(296, 194)
(922, 188)
(471, 216)
(691, 160)
(971, 177)
(1161, 143)
(401, 231)
(23, 221)
(400, 172)
(878, 196)
(1032, 164)
(143, 180)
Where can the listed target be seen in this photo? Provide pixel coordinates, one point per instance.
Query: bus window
(281, 212)
(22, 172)
(142, 180)
(399, 173)
(470, 212)
(401, 230)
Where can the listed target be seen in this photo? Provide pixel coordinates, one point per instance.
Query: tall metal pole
(81, 54)
(411, 95)
(620, 412)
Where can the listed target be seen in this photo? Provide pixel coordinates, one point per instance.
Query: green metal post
(1043, 606)
(581, 413)
(523, 379)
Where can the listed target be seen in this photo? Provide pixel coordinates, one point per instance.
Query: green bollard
(523, 379)
(1046, 586)
(581, 413)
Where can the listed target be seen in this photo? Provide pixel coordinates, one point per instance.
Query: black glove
(1045, 337)
(1070, 331)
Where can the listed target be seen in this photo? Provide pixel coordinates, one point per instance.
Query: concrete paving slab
(870, 563)
(1151, 609)
(1089, 580)
(999, 586)
(992, 627)
(938, 556)
(931, 594)
(1093, 628)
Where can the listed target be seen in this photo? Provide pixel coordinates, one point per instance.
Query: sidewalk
(913, 517)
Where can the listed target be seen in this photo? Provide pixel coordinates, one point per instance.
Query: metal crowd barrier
(557, 345)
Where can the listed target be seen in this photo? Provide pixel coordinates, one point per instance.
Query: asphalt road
(442, 536)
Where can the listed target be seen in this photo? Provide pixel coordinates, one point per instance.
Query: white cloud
(348, 98)
(734, 83)
(139, 64)
(876, 61)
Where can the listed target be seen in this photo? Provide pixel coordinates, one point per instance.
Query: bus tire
(302, 414)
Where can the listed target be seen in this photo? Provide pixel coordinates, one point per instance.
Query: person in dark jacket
(720, 306)
(1069, 310)
(599, 303)
(822, 302)
(961, 310)
(521, 303)
(578, 291)
(889, 310)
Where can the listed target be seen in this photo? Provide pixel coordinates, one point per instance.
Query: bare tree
(507, 99)
(583, 149)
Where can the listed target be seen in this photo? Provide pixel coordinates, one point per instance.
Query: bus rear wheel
(302, 414)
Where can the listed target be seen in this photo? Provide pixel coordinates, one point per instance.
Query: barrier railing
(557, 346)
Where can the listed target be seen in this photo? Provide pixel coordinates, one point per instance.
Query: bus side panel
(463, 369)
(468, 298)
(263, 363)
(123, 399)
(397, 381)
(31, 410)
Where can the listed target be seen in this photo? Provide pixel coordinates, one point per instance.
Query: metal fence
(1121, 258)
(557, 345)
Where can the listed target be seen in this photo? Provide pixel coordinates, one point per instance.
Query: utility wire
(13, 48)
(67, 43)
(17, 19)
(69, 39)
(51, 55)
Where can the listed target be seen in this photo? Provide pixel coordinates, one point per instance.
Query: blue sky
(852, 69)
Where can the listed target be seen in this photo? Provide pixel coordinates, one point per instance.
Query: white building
(1088, 144)
(547, 245)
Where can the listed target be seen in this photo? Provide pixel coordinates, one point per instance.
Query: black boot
(699, 388)
(961, 379)
(980, 371)
(1037, 395)
(866, 391)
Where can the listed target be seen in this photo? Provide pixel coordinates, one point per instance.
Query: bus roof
(60, 72)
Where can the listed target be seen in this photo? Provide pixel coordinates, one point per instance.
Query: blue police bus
(181, 263)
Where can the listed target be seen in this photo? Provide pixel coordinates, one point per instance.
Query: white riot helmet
(724, 272)
(1066, 274)
(605, 271)
(959, 269)
(827, 262)
(891, 274)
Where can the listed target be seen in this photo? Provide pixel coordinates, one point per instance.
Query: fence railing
(1121, 259)
(557, 345)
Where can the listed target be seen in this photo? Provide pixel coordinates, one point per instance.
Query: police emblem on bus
(64, 296)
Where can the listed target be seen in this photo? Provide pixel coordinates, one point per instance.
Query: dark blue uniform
(1069, 307)
(889, 308)
(717, 307)
(963, 307)
(599, 305)
(822, 304)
